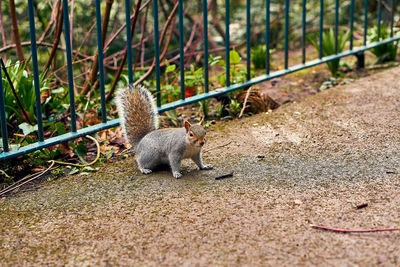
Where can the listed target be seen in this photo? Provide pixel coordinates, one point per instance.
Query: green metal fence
(105, 123)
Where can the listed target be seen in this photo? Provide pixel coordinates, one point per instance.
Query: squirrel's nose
(202, 143)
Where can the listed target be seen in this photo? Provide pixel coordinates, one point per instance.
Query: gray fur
(158, 146)
(120, 100)
(165, 146)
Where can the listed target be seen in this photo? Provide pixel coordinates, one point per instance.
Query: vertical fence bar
(379, 19)
(128, 39)
(336, 25)
(181, 52)
(35, 69)
(227, 58)
(365, 21)
(351, 23)
(205, 36)
(157, 52)
(303, 31)
(267, 36)
(392, 18)
(321, 26)
(286, 34)
(3, 116)
(101, 61)
(248, 28)
(69, 65)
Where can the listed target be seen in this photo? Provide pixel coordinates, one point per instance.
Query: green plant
(23, 84)
(194, 77)
(80, 149)
(220, 110)
(384, 52)
(20, 101)
(237, 70)
(258, 56)
(234, 108)
(205, 107)
(170, 91)
(328, 47)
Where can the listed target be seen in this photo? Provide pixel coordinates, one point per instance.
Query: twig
(362, 205)
(119, 71)
(14, 27)
(10, 46)
(224, 176)
(53, 18)
(245, 102)
(354, 231)
(171, 16)
(56, 40)
(218, 146)
(142, 47)
(87, 164)
(71, 22)
(52, 162)
(112, 38)
(25, 180)
(95, 67)
(84, 39)
(3, 33)
(141, 51)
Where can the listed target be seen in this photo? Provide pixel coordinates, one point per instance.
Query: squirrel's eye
(191, 134)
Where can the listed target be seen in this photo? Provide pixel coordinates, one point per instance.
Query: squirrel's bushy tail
(137, 112)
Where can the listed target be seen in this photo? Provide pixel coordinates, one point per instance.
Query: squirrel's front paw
(207, 167)
(177, 175)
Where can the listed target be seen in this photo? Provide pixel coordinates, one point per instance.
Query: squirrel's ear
(202, 121)
(187, 126)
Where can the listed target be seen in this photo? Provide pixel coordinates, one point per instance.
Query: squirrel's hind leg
(145, 171)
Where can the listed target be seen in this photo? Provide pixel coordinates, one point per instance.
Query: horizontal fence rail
(182, 54)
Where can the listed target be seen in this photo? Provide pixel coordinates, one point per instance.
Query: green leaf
(234, 57)
(222, 79)
(90, 169)
(74, 170)
(221, 62)
(58, 90)
(27, 128)
(169, 87)
(170, 68)
(60, 128)
(214, 60)
(190, 77)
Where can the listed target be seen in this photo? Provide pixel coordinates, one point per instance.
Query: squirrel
(152, 146)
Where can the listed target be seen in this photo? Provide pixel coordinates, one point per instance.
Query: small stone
(298, 202)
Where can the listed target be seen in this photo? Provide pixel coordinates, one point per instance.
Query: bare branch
(57, 35)
(95, 67)
(3, 33)
(117, 75)
(14, 26)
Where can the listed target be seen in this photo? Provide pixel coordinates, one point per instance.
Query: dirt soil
(309, 162)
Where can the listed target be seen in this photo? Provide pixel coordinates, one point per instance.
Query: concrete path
(306, 163)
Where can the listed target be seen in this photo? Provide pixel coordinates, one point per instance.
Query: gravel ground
(306, 163)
